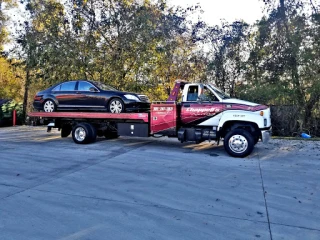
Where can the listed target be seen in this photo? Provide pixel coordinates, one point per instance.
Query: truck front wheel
(239, 143)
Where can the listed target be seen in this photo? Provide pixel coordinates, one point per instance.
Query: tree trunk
(26, 94)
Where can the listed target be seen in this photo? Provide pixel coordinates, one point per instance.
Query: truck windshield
(219, 92)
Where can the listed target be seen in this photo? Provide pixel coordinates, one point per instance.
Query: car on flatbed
(85, 95)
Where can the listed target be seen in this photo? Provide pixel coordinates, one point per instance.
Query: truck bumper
(266, 135)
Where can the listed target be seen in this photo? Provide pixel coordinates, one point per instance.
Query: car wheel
(116, 106)
(82, 133)
(239, 143)
(49, 106)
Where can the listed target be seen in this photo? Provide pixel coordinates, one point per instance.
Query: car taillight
(37, 97)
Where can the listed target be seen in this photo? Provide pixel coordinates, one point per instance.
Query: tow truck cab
(207, 113)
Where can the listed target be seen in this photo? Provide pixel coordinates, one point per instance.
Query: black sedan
(87, 95)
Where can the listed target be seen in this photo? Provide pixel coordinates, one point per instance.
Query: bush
(6, 112)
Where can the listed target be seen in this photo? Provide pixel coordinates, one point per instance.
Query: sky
(229, 10)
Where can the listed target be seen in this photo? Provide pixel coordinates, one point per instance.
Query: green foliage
(10, 80)
(127, 44)
(7, 109)
(143, 46)
(226, 58)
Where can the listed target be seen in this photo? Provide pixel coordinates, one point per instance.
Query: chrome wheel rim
(48, 106)
(116, 106)
(80, 134)
(238, 143)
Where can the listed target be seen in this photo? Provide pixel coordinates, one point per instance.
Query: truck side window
(192, 93)
(208, 95)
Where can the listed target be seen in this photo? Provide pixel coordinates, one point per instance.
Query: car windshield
(104, 86)
(219, 92)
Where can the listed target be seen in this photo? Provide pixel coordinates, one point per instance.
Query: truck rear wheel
(93, 133)
(83, 133)
(239, 143)
(65, 131)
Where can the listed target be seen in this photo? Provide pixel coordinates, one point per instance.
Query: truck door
(201, 106)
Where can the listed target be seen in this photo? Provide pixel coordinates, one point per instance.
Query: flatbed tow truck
(204, 113)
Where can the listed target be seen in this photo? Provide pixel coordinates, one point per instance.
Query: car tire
(116, 105)
(82, 133)
(49, 106)
(239, 143)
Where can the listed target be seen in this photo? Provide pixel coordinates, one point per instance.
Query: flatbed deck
(92, 115)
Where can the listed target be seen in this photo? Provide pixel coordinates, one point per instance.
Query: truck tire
(65, 131)
(256, 140)
(93, 133)
(82, 133)
(239, 143)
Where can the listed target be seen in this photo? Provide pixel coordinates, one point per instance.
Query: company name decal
(203, 110)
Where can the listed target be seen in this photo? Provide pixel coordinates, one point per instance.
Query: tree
(4, 5)
(293, 42)
(227, 55)
(10, 80)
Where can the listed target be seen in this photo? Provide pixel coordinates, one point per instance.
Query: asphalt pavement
(154, 188)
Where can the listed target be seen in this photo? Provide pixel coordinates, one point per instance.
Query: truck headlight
(132, 97)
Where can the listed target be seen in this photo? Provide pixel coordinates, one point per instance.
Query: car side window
(57, 88)
(84, 86)
(68, 86)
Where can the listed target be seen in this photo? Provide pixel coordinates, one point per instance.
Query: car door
(89, 96)
(201, 105)
(65, 94)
